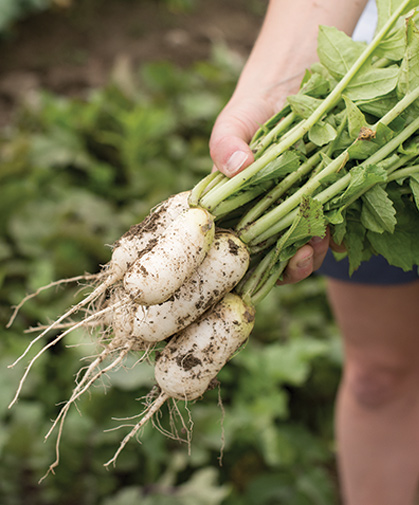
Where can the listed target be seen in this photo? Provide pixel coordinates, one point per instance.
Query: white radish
(122, 322)
(125, 252)
(222, 268)
(140, 236)
(193, 357)
(159, 272)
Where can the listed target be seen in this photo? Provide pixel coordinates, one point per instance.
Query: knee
(376, 385)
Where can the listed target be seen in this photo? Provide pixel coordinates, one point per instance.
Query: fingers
(229, 148)
(306, 260)
(232, 133)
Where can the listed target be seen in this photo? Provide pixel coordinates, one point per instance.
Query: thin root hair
(148, 414)
(28, 297)
(81, 388)
(46, 347)
(93, 296)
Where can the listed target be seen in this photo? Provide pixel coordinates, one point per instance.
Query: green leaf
(393, 46)
(414, 186)
(337, 51)
(337, 219)
(362, 149)
(303, 105)
(373, 83)
(378, 106)
(400, 248)
(309, 222)
(386, 8)
(290, 363)
(409, 68)
(61, 147)
(356, 119)
(378, 213)
(280, 167)
(322, 133)
(335, 216)
(362, 178)
(354, 242)
(315, 85)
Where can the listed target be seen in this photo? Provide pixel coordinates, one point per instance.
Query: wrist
(287, 45)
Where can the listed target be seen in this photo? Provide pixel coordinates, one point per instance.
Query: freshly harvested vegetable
(342, 153)
(193, 358)
(166, 265)
(188, 365)
(144, 234)
(225, 264)
(125, 252)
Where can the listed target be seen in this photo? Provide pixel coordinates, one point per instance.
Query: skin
(377, 410)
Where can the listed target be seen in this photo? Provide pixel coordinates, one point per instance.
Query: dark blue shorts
(374, 271)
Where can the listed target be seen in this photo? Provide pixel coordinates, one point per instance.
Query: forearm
(287, 43)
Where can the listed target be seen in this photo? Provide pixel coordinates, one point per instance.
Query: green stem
(203, 186)
(251, 284)
(402, 105)
(237, 201)
(278, 191)
(267, 225)
(375, 158)
(265, 128)
(272, 221)
(279, 219)
(270, 283)
(339, 186)
(282, 125)
(403, 172)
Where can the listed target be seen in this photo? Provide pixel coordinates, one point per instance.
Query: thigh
(380, 324)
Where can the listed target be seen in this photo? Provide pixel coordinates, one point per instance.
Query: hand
(233, 130)
(306, 260)
(230, 152)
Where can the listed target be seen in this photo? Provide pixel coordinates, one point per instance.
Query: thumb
(228, 144)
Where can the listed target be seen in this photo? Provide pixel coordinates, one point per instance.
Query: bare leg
(377, 420)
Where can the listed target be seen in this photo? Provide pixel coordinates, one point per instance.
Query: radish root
(150, 411)
(52, 343)
(88, 379)
(16, 309)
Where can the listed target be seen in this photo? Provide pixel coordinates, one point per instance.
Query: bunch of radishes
(187, 278)
(170, 278)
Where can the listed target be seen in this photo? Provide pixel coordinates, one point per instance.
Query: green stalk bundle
(342, 153)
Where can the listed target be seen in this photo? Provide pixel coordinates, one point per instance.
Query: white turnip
(222, 268)
(192, 359)
(181, 248)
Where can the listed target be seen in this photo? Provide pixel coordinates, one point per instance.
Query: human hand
(230, 153)
(233, 130)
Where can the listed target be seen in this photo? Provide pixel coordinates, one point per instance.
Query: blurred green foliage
(74, 175)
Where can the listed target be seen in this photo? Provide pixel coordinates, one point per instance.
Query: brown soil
(71, 50)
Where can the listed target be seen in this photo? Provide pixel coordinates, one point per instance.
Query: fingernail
(235, 162)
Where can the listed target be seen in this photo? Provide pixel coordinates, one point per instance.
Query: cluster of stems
(269, 212)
